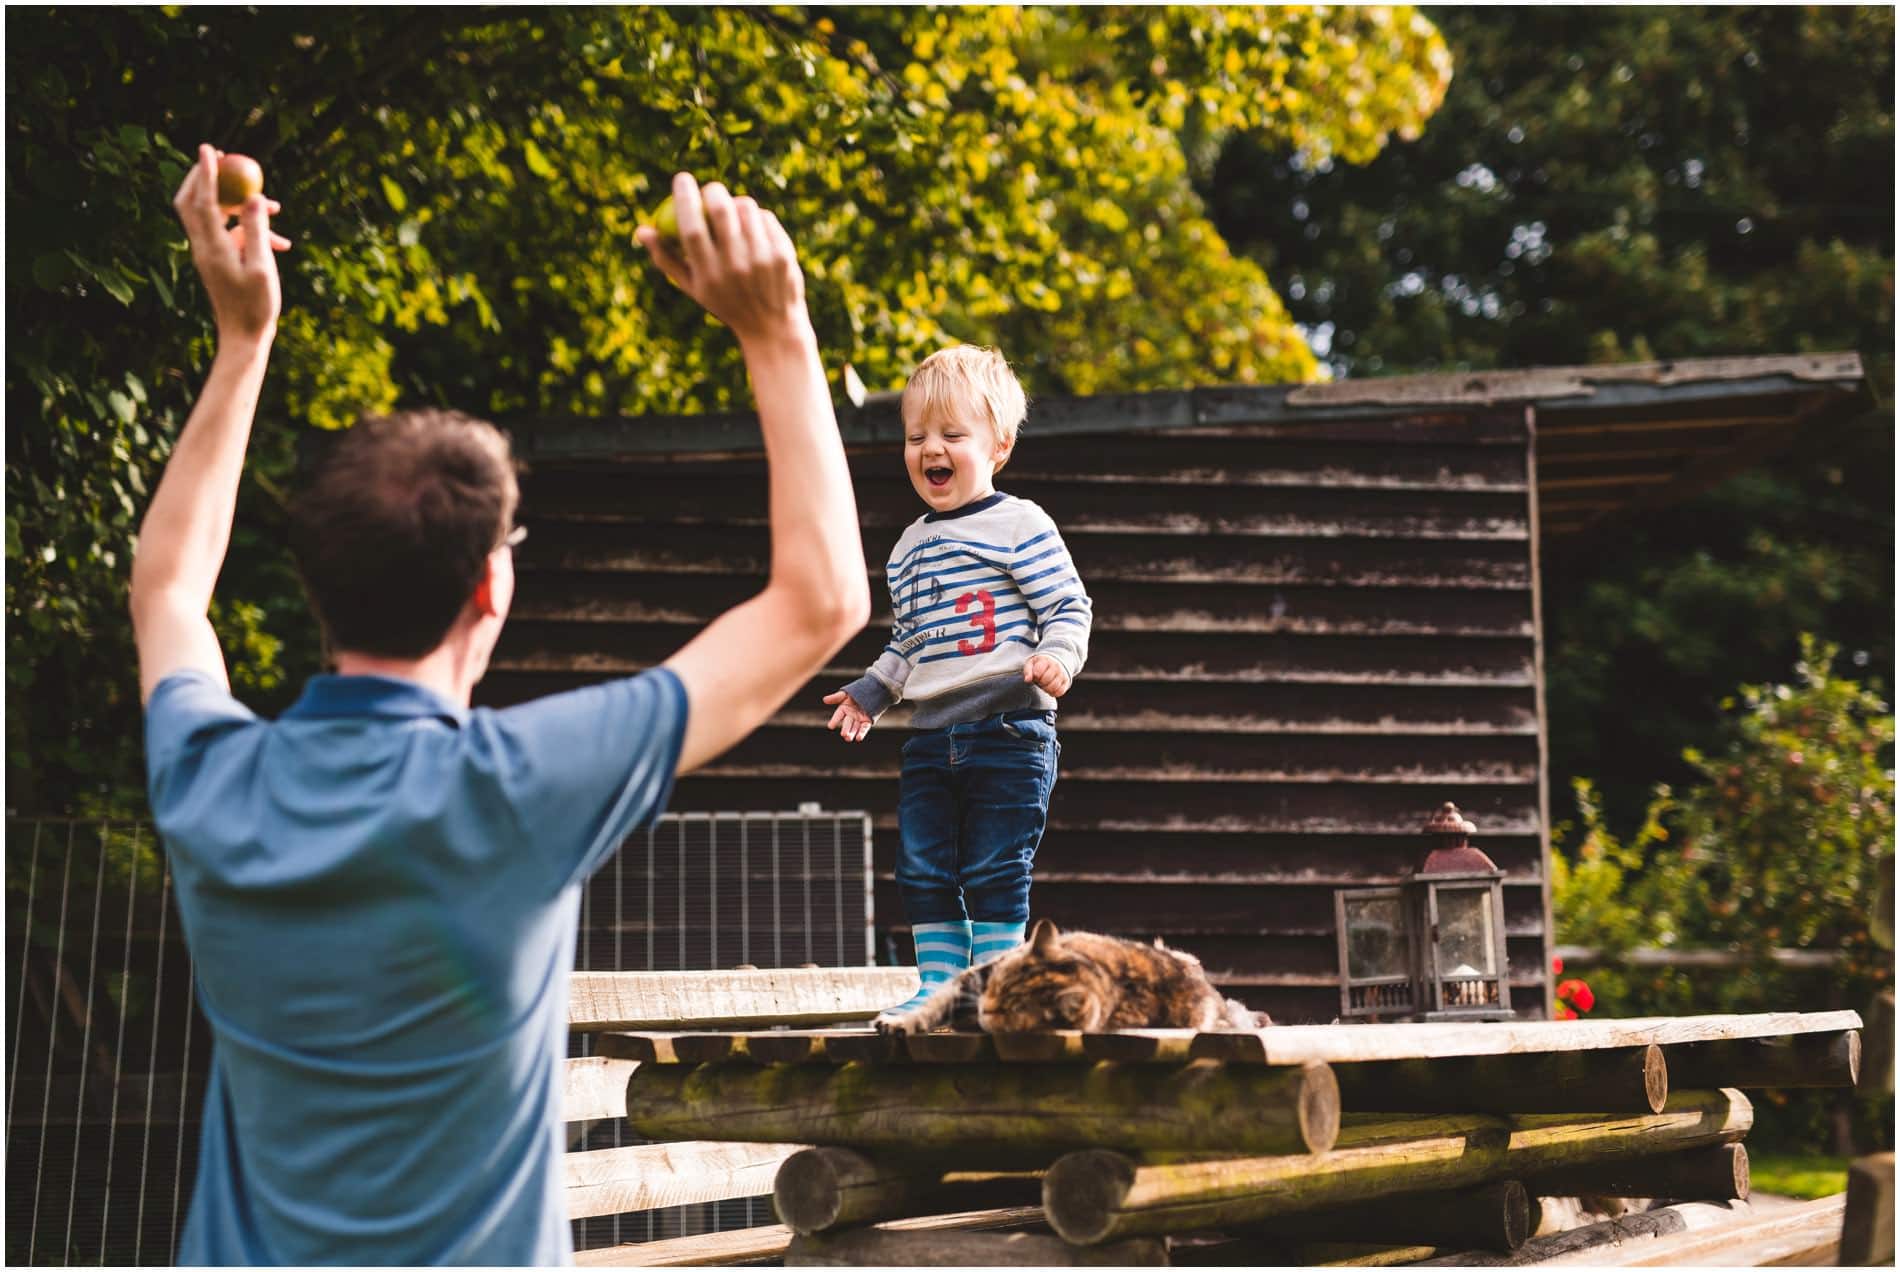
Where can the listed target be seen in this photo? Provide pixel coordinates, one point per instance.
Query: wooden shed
(1317, 618)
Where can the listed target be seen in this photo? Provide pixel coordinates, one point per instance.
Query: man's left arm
(187, 528)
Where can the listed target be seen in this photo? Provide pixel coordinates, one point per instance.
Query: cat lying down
(1078, 980)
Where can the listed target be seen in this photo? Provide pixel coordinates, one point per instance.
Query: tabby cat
(1078, 980)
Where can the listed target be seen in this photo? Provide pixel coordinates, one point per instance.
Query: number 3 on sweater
(984, 622)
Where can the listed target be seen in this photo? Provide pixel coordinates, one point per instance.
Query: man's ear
(484, 596)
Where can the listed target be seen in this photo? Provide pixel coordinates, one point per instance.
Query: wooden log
(768, 1242)
(1575, 1244)
(734, 999)
(594, 1087)
(1341, 1044)
(1794, 1060)
(1867, 1228)
(1494, 1216)
(612, 1181)
(1197, 1107)
(1716, 1173)
(1098, 1195)
(824, 1188)
(879, 1247)
(1615, 1080)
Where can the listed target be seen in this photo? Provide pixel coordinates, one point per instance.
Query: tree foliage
(1618, 184)
(462, 186)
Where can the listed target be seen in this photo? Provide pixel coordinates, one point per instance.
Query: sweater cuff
(872, 695)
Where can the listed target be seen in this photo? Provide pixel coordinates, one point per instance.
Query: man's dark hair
(392, 527)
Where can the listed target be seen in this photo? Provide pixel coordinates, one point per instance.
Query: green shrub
(1784, 841)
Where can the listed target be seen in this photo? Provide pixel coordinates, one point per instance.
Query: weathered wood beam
(1805, 1234)
(1641, 1229)
(1613, 1080)
(594, 1087)
(613, 1181)
(1867, 1226)
(879, 1248)
(1336, 1044)
(600, 1001)
(1494, 1216)
(1716, 1173)
(1198, 1107)
(768, 1242)
(1099, 1195)
(824, 1188)
(1798, 1060)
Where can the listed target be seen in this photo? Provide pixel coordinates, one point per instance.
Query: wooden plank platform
(745, 998)
(1275, 1045)
(769, 1242)
(614, 1181)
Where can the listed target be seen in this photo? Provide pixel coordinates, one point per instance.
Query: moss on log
(1098, 1195)
(1200, 1107)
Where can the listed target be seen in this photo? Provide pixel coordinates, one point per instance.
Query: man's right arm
(737, 260)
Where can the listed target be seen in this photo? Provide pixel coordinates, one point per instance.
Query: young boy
(991, 626)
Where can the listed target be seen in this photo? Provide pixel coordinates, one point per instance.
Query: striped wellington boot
(943, 950)
(988, 940)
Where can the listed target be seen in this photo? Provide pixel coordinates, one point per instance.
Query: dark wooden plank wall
(1306, 637)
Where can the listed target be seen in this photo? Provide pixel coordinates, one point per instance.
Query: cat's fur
(1078, 980)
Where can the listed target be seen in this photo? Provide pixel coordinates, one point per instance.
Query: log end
(1847, 1056)
(1082, 1191)
(807, 1192)
(1514, 1213)
(1655, 1078)
(1738, 1159)
(1319, 1107)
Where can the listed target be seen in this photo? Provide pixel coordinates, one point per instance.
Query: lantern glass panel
(1467, 937)
(1375, 938)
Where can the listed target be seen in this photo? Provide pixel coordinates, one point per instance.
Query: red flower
(1564, 1013)
(1557, 966)
(1577, 994)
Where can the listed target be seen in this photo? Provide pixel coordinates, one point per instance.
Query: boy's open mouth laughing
(938, 476)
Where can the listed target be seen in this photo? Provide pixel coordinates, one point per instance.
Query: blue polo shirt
(380, 892)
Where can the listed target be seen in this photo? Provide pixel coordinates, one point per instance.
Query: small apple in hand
(666, 221)
(239, 177)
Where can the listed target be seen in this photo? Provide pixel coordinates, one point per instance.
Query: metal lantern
(1458, 907)
(1433, 947)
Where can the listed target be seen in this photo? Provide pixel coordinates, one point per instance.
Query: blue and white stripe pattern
(992, 940)
(943, 951)
(974, 593)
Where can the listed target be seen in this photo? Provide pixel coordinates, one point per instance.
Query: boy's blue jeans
(971, 808)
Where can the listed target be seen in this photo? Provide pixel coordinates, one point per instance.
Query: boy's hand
(733, 257)
(238, 265)
(849, 719)
(1046, 673)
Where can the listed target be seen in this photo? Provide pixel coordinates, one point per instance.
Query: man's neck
(439, 670)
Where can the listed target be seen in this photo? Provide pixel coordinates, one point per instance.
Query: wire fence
(107, 1054)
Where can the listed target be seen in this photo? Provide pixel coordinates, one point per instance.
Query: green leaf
(537, 162)
(398, 201)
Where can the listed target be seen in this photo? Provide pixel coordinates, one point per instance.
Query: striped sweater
(974, 593)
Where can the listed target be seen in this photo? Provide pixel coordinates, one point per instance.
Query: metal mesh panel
(107, 1054)
(703, 891)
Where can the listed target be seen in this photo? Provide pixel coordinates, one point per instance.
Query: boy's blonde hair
(966, 380)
